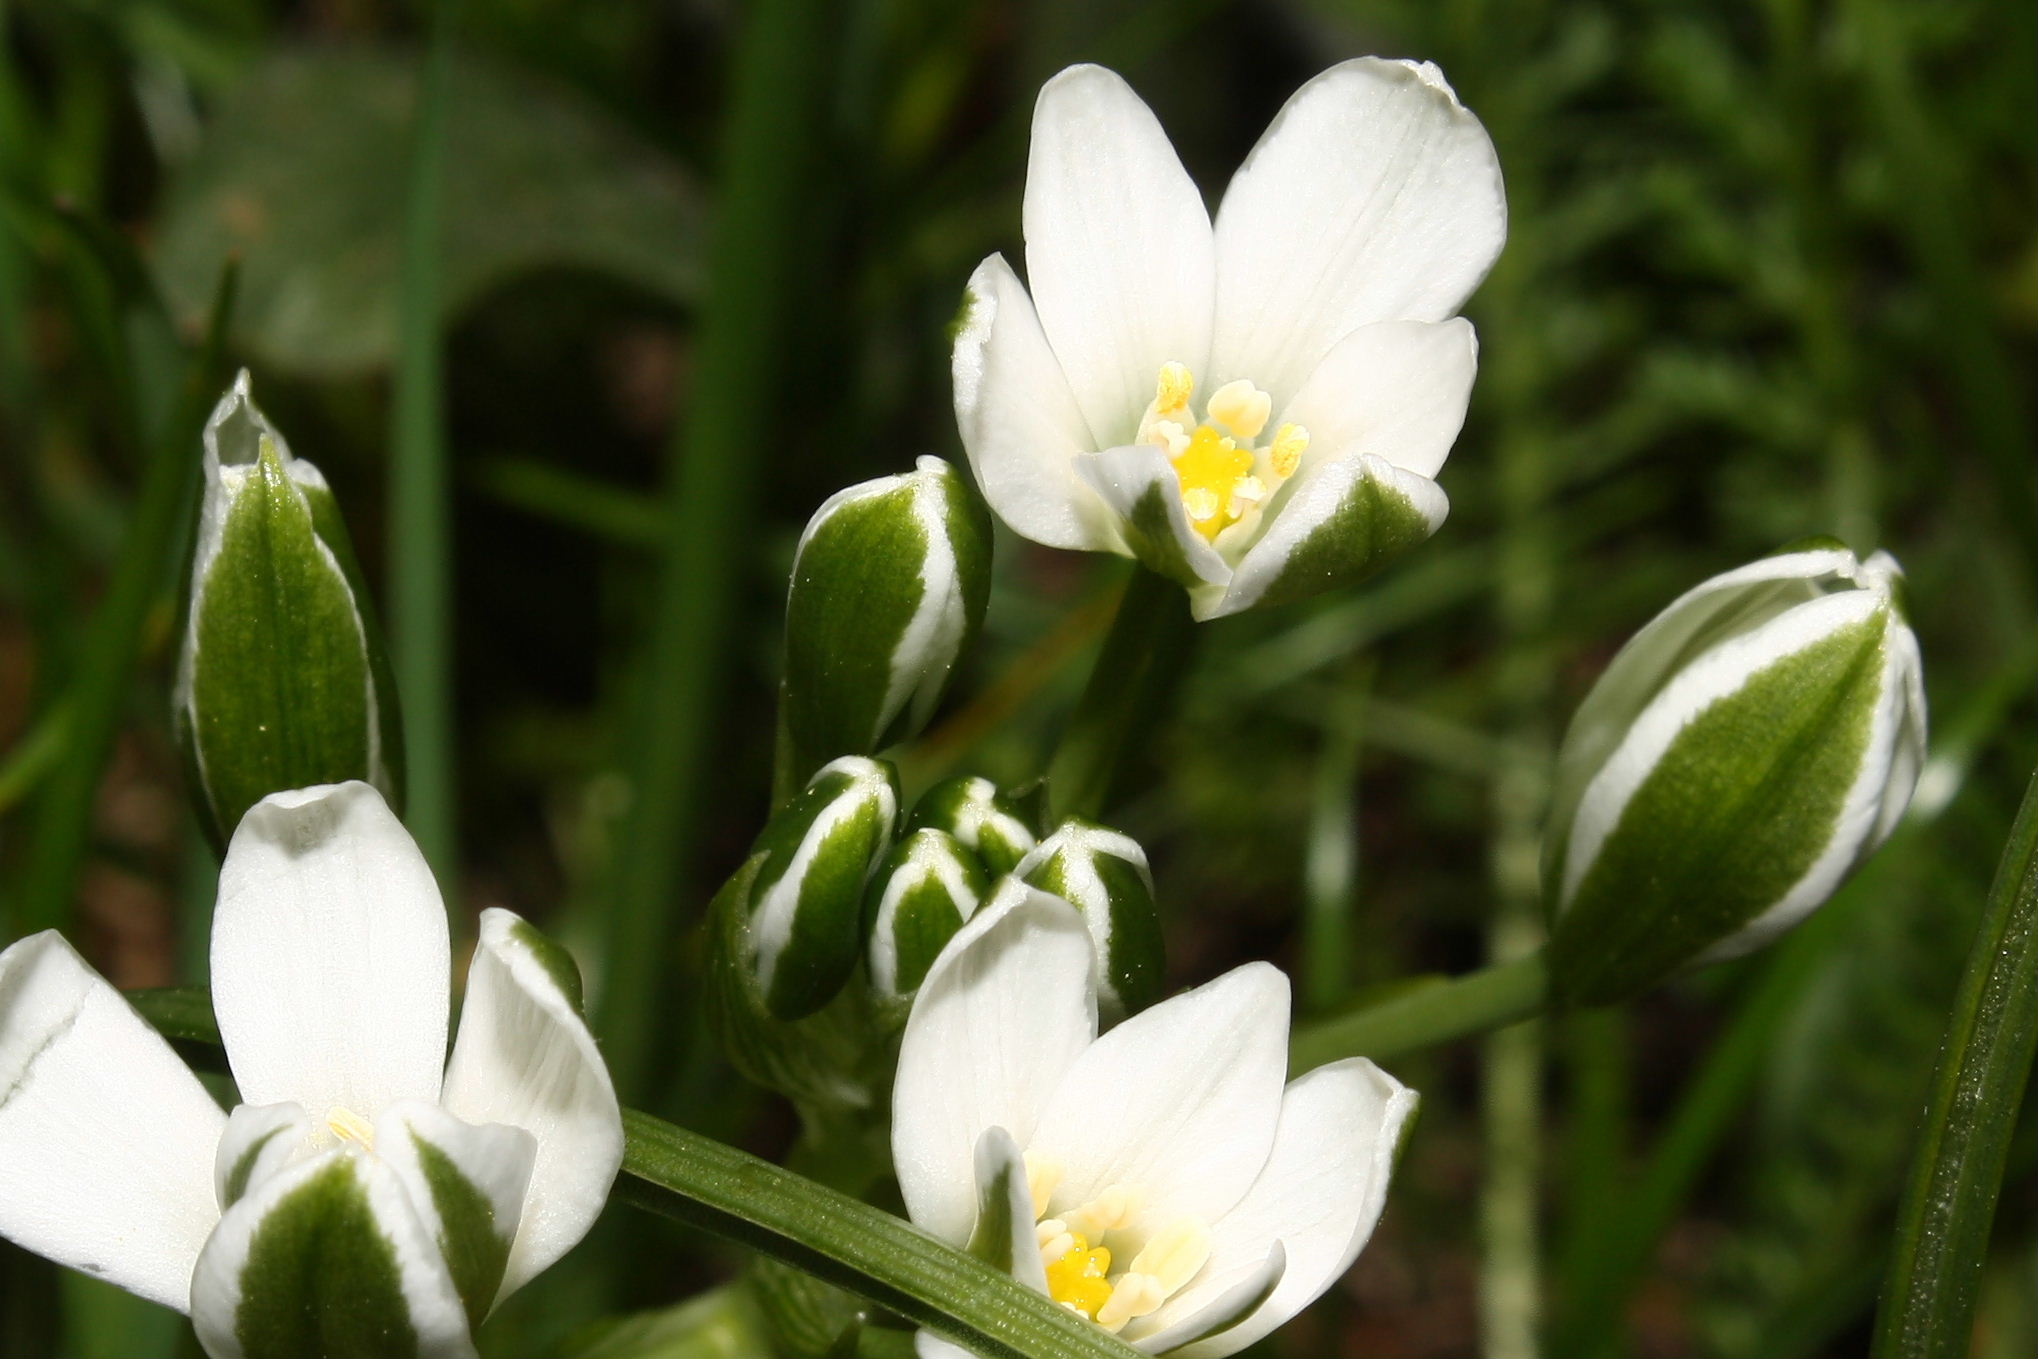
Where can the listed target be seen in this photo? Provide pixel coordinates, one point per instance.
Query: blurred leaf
(300, 173)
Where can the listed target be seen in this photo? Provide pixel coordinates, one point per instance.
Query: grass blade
(1977, 1090)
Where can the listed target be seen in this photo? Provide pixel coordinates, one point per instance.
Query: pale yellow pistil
(1079, 1274)
(1223, 471)
(349, 1126)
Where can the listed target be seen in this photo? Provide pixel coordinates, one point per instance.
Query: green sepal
(1374, 522)
(998, 829)
(1744, 800)
(805, 907)
(1103, 873)
(888, 591)
(321, 1278)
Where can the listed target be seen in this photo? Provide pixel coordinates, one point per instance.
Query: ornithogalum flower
(1159, 1179)
(368, 1197)
(1253, 408)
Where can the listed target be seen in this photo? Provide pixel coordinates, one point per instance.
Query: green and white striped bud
(806, 901)
(282, 681)
(1737, 760)
(888, 590)
(986, 822)
(929, 885)
(1103, 873)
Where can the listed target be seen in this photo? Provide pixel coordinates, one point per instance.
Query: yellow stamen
(1209, 470)
(1286, 454)
(1112, 1208)
(1043, 1174)
(1242, 407)
(1075, 1279)
(349, 1126)
(1134, 1295)
(1172, 392)
(1174, 1254)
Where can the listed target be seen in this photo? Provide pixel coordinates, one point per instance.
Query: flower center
(1224, 472)
(1079, 1274)
(349, 1126)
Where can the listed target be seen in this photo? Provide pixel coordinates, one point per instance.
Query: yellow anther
(1286, 454)
(1076, 1278)
(1043, 1174)
(1246, 493)
(1172, 392)
(1169, 436)
(349, 1126)
(1242, 407)
(1200, 502)
(1174, 1254)
(1134, 1295)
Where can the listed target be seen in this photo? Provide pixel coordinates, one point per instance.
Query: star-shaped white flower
(369, 1196)
(1256, 408)
(1160, 1179)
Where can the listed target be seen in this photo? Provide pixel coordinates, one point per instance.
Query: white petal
(329, 956)
(1118, 247)
(525, 1058)
(494, 1158)
(1139, 484)
(1004, 1234)
(433, 1307)
(106, 1139)
(1019, 421)
(1342, 521)
(1396, 389)
(1004, 1011)
(1319, 1196)
(1222, 1306)
(1373, 196)
(260, 1140)
(1178, 1104)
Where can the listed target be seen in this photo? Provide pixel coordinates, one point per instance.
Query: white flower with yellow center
(1256, 408)
(368, 1196)
(1160, 1179)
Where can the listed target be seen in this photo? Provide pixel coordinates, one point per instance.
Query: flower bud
(888, 589)
(929, 885)
(989, 824)
(1103, 874)
(1737, 760)
(282, 681)
(806, 901)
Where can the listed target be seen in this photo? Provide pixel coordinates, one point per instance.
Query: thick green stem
(1957, 1172)
(420, 487)
(778, 102)
(1426, 1013)
(1133, 684)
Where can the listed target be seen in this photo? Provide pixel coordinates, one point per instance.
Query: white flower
(368, 1196)
(1158, 1179)
(1254, 409)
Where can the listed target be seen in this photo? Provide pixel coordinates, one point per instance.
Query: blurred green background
(1772, 271)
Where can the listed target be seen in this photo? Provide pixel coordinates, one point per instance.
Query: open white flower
(368, 1197)
(1159, 1179)
(1256, 408)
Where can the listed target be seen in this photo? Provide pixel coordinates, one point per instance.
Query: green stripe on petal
(1139, 484)
(1103, 873)
(1348, 520)
(1729, 819)
(1003, 1236)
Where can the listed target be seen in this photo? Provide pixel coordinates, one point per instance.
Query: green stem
(420, 494)
(767, 1208)
(778, 102)
(1134, 682)
(1957, 1172)
(1427, 1013)
(99, 688)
